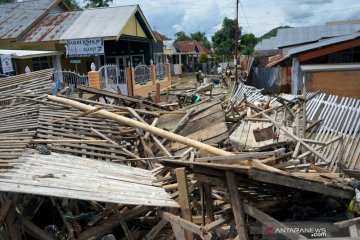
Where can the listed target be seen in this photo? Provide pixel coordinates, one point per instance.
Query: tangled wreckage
(107, 166)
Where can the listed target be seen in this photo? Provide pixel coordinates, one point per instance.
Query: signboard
(75, 61)
(84, 47)
(6, 64)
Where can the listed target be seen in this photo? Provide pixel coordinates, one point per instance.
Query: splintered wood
(108, 166)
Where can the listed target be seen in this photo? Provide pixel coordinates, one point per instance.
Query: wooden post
(152, 74)
(130, 77)
(236, 205)
(168, 67)
(157, 96)
(184, 200)
(208, 202)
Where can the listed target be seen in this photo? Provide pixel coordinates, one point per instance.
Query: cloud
(171, 16)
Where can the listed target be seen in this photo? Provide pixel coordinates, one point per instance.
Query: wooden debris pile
(107, 166)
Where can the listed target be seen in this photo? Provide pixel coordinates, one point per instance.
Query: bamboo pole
(152, 129)
(144, 126)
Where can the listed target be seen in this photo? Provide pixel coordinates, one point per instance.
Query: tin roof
(103, 22)
(158, 36)
(189, 46)
(23, 54)
(52, 27)
(17, 17)
(300, 35)
(323, 43)
(304, 35)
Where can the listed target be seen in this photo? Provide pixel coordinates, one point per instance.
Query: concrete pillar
(130, 77)
(94, 79)
(56, 62)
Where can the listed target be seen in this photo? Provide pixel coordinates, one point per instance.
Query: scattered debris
(108, 166)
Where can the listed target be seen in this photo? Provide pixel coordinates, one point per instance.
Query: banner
(6, 64)
(84, 47)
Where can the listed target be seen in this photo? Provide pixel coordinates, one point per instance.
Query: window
(40, 63)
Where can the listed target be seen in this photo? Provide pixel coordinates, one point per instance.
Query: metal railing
(142, 74)
(111, 75)
(71, 79)
(161, 71)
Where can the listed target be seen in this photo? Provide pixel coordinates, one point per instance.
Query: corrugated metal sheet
(294, 36)
(302, 35)
(323, 43)
(22, 54)
(101, 22)
(16, 17)
(52, 27)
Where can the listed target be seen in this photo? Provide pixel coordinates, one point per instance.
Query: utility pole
(236, 41)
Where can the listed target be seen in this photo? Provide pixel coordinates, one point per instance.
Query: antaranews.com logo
(285, 231)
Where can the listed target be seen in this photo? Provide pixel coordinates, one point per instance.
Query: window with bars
(40, 63)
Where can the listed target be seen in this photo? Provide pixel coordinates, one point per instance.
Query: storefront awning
(23, 54)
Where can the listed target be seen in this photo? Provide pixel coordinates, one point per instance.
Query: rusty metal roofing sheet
(17, 17)
(51, 27)
(100, 22)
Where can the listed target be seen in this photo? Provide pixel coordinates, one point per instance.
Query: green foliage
(272, 32)
(181, 36)
(247, 44)
(165, 37)
(7, 1)
(203, 58)
(224, 39)
(97, 3)
(201, 37)
(72, 4)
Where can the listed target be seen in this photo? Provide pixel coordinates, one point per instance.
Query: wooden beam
(4, 210)
(236, 205)
(299, 183)
(184, 199)
(208, 202)
(267, 220)
(156, 229)
(347, 223)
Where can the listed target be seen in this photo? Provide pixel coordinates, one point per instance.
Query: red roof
(189, 46)
(158, 36)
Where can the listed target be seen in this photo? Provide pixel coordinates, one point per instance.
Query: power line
(247, 22)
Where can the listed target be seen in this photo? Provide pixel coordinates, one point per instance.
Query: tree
(72, 4)
(272, 32)
(201, 37)
(7, 1)
(247, 43)
(97, 3)
(203, 58)
(181, 36)
(224, 39)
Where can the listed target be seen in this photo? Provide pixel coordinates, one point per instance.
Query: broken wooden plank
(299, 183)
(184, 199)
(236, 205)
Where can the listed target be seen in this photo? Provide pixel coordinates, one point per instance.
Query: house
(158, 48)
(189, 52)
(65, 39)
(332, 44)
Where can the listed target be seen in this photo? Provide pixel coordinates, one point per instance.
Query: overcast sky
(170, 16)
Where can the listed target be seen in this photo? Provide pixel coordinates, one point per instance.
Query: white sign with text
(84, 47)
